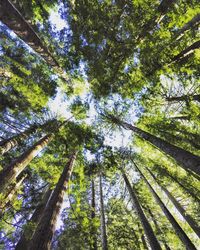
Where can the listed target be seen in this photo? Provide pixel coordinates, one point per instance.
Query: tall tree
(178, 206)
(146, 225)
(9, 173)
(103, 222)
(187, 160)
(179, 231)
(35, 218)
(44, 232)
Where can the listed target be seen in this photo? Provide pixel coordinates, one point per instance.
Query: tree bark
(45, 230)
(178, 206)
(93, 215)
(184, 158)
(103, 222)
(9, 173)
(35, 218)
(179, 231)
(146, 225)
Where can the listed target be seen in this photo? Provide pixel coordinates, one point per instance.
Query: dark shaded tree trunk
(183, 98)
(10, 16)
(179, 231)
(186, 52)
(178, 206)
(146, 225)
(195, 21)
(93, 215)
(184, 158)
(35, 218)
(9, 173)
(103, 221)
(45, 230)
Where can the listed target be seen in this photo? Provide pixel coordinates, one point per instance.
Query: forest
(99, 124)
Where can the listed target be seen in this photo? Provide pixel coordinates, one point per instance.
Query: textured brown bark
(44, 232)
(179, 231)
(9, 173)
(93, 215)
(195, 21)
(178, 206)
(146, 225)
(35, 218)
(103, 222)
(184, 158)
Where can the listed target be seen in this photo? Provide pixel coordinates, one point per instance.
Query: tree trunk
(45, 230)
(103, 222)
(93, 215)
(12, 17)
(183, 98)
(189, 25)
(179, 231)
(178, 206)
(11, 192)
(158, 228)
(163, 8)
(9, 173)
(187, 160)
(176, 180)
(186, 52)
(35, 218)
(146, 225)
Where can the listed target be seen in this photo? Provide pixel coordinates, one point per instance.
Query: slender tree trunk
(179, 231)
(93, 215)
(176, 180)
(11, 192)
(158, 228)
(189, 25)
(146, 225)
(183, 98)
(9, 173)
(45, 230)
(163, 8)
(186, 52)
(35, 218)
(103, 222)
(178, 206)
(187, 160)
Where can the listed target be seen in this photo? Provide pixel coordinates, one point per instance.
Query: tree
(178, 206)
(187, 160)
(147, 227)
(46, 227)
(179, 231)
